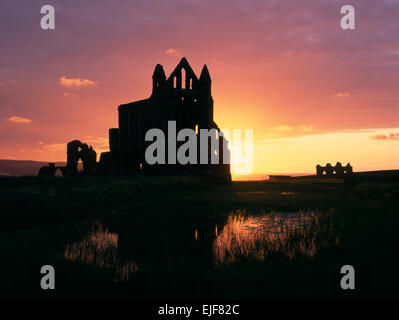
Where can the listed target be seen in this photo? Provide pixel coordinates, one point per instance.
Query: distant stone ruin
(337, 171)
(48, 171)
(76, 151)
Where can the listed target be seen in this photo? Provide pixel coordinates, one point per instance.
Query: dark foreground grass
(165, 233)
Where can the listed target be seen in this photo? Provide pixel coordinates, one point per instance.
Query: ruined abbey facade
(334, 171)
(182, 97)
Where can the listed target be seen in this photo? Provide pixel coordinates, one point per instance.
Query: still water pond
(239, 237)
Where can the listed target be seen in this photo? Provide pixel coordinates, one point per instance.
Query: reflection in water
(253, 192)
(99, 248)
(243, 237)
(284, 193)
(257, 237)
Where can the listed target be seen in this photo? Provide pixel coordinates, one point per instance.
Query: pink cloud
(52, 147)
(6, 82)
(342, 94)
(99, 144)
(68, 94)
(17, 119)
(173, 52)
(77, 82)
(289, 53)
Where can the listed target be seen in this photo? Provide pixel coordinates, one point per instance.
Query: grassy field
(179, 237)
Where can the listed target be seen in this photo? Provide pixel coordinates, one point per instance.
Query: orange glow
(257, 237)
(311, 92)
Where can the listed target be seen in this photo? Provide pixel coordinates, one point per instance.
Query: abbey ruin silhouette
(334, 171)
(182, 97)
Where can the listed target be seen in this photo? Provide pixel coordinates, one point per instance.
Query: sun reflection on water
(257, 237)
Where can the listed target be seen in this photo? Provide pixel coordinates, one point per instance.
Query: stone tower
(182, 97)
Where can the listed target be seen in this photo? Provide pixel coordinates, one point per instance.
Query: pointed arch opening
(183, 78)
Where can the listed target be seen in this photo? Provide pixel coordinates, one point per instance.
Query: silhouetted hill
(22, 167)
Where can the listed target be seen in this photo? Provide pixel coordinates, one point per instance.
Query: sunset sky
(312, 92)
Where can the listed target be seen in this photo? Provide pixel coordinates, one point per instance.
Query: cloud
(68, 94)
(289, 53)
(6, 82)
(216, 60)
(77, 82)
(52, 147)
(270, 135)
(281, 128)
(342, 94)
(99, 144)
(284, 131)
(391, 136)
(306, 128)
(173, 52)
(17, 119)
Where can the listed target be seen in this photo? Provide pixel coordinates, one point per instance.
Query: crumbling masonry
(183, 98)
